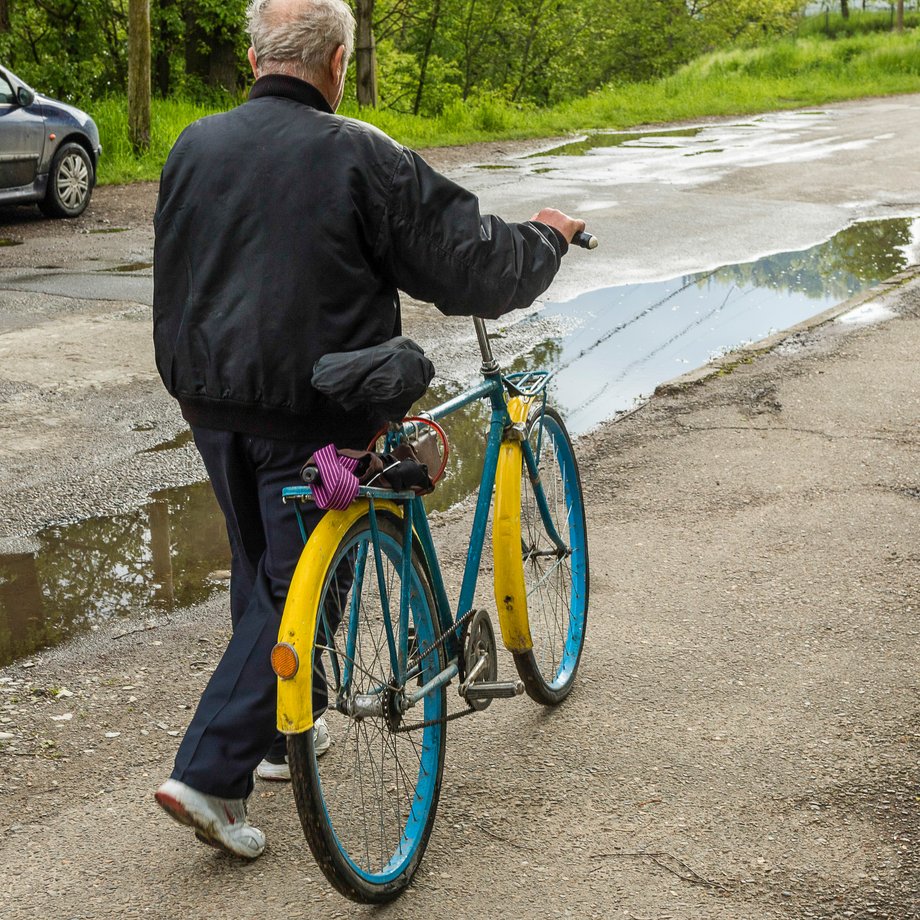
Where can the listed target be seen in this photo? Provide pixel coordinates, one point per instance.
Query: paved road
(663, 204)
(743, 744)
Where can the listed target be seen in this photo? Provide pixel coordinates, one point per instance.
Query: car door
(22, 139)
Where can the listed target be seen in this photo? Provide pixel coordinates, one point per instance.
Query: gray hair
(298, 37)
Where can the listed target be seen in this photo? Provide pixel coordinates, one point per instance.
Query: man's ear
(251, 54)
(337, 64)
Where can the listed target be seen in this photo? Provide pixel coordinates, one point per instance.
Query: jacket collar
(279, 84)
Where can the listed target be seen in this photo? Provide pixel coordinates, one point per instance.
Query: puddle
(130, 267)
(90, 573)
(619, 344)
(180, 440)
(618, 139)
(9, 241)
(494, 166)
(109, 230)
(625, 340)
(866, 315)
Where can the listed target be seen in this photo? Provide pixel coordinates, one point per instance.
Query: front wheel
(556, 578)
(70, 182)
(367, 806)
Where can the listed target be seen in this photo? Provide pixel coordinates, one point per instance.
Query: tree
(845, 8)
(899, 24)
(139, 74)
(365, 54)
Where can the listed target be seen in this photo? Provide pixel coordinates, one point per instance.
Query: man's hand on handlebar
(567, 226)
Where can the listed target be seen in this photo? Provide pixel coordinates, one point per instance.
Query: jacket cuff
(560, 239)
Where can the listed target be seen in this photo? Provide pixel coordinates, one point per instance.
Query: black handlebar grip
(585, 240)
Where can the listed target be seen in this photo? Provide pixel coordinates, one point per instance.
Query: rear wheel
(556, 580)
(368, 805)
(70, 182)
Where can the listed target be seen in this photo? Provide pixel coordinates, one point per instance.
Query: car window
(6, 91)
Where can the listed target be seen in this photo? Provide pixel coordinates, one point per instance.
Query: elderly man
(282, 234)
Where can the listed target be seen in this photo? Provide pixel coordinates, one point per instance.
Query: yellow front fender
(298, 622)
(510, 591)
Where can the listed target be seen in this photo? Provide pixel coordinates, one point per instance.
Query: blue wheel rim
(576, 538)
(413, 833)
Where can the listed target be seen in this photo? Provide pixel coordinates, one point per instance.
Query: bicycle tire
(557, 588)
(367, 815)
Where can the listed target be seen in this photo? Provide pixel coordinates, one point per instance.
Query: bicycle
(368, 607)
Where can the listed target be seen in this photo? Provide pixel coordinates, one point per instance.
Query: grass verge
(786, 74)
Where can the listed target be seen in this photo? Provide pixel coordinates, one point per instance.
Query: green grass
(859, 21)
(785, 74)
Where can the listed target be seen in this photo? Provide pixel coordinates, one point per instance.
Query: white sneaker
(321, 740)
(218, 822)
(278, 771)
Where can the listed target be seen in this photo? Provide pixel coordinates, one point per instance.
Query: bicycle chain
(461, 665)
(415, 726)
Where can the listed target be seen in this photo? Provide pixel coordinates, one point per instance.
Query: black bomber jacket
(283, 232)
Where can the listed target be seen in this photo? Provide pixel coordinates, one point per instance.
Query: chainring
(478, 641)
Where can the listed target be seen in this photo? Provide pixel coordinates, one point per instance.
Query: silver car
(49, 150)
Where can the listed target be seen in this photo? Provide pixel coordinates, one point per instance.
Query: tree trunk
(365, 54)
(165, 45)
(223, 66)
(139, 74)
(845, 8)
(899, 25)
(426, 54)
(5, 15)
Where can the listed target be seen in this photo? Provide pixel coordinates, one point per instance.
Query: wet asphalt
(662, 203)
(743, 739)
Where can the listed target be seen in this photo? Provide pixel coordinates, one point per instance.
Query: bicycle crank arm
(494, 690)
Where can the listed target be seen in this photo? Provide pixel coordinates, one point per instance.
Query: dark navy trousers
(234, 726)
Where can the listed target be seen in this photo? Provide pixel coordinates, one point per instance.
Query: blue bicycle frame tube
(423, 532)
(541, 497)
(497, 427)
(406, 575)
(382, 588)
(353, 604)
(489, 387)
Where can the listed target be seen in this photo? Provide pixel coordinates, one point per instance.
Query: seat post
(489, 364)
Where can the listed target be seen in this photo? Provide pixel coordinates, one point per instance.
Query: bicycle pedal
(494, 690)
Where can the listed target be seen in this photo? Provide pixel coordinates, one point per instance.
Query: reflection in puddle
(180, 440)
(86, 574)
(629, 338)
(130, 267)
(9, 241)
(619, 139)
(622, 342)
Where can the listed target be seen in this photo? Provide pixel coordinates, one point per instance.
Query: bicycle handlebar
(585, 240)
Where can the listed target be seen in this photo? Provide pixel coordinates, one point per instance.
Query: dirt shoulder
(743, 741)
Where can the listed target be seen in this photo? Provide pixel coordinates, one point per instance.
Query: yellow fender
(510, 591)
(298, 622)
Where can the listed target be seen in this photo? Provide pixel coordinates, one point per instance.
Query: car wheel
(70, 182)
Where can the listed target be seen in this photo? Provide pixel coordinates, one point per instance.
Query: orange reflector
(285, 661)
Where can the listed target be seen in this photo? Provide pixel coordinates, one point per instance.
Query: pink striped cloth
(338, 486)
